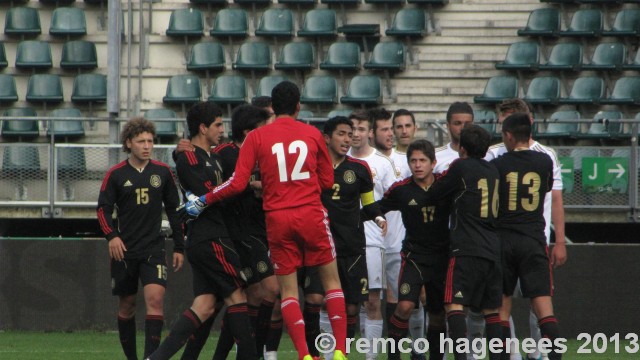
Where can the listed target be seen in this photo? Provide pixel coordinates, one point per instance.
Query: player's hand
(559, 255)
(195, 205)
(184, 145)
(178, 260)
(382, 224)
(117, 249)
(257, 188)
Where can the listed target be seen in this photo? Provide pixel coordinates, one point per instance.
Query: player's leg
(336, 309)
(547, 322)
(373, 322)
(199, 338)
(153, 275)
(505, 315)
(491, 301)
(534, 330)
(311, 316)
(475, 326)
(409, 294)
(270, 291)
(124, 280)
(240, 326)
(392, 264)
(291, 313)
(434, 287)
(275, 332)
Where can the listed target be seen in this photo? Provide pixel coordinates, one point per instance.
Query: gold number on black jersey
(336, 192)
(162, 272)
(532, 181)
(483, 185)
(142, 196)
(365, 285)
(427, 213)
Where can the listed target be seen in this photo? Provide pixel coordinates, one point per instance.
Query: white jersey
(395, 227)
(445, 155)
(499, 149)
(402, 164)
(383, 172)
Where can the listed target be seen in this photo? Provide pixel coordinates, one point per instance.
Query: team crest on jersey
(155, 181)
(248, 274)
(262, 267)
(404, 289)
(398, 172)
(349, 177)
(373, 173)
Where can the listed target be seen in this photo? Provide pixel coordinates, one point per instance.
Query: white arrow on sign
(563, 170)
(619, 171)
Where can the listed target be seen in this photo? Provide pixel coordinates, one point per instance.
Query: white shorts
(393, 262)
(376, 268)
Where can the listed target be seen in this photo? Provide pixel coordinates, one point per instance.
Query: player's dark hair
(514, 106)
(261, 101)
(360, 115)
(424, 146)
(285, 98)
(246, 117)
(403, 112)
(459, 107)
(204, 112)
(332, 124)
(518, 125)
(378, 114)
(475, 140)
(133, 128)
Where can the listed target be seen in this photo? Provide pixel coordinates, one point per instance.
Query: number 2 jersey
(137, 196)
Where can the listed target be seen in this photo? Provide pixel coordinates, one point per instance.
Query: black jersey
(352, 178)
(526, 177)
(244, 213)
(473, 185)
(199, 172)
(427, 225)
(138, 197)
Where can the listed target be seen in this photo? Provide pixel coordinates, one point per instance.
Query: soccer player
(425, 249)
(459, 115)
(526, 176)
(264, 102)
(474, 276)
(137, 188)
(213, 258)
(384, 175)
(294, 167)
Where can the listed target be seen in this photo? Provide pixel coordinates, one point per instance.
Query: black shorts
(474, 281)
(150, 270)
(254, 258)
(419, 270)
(527, 259)
(216, 268)
(354, 280)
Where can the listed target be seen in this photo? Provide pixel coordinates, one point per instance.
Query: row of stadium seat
(600, 2)
(47, 88)
(65, 21)
(313, 2)
(34, 54)
(27, 128)
(546, 22)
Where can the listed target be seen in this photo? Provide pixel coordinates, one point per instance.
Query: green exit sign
(566, 170)
(605, 175)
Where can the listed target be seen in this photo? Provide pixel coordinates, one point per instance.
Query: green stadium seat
(569, 128)
(305, 114)
(564, 56)
(543, 90)
(428, 2)
(22, 21)
(22, 129)
(20, 163)
(33, 54)
(607, 57)
(586, 90)
(66, 128)
(387, 56)
(276, 22)
(320, 90)
(183, 89)
(267, 84)
(601, 128)
(71, 163)
(498, 88)
(342, 56)
(409, 22)
(627, 23)
(206, 56)
(253, 56)
(339, 112)
(8, 92)
(585, 23)
(229, 90)
(363, 90)
(296, 56)
(635, 64)
(3, 57)
(79, 54)
(164, 129)
(626, 91)
(57, 2)
(524, 55)
(230, 23)
(487, 120)
(186, 22)
(319, 23)
(89, 88)
(68, 21)
(543, 22)
(45, 88)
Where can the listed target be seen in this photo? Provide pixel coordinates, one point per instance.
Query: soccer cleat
(338, 355)
(307, 357)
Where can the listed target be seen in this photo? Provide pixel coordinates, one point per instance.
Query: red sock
(292, 317)
(338, 317)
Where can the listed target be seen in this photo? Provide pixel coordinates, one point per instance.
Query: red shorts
(299, 236)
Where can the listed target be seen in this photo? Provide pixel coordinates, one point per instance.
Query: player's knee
(315, 299)
(127, 307)
(404, 308)
(271, 289)
(154, 303)
(236, 297)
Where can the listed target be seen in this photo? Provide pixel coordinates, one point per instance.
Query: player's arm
(445, 185)
(325, 166)
(106, 201)
(559, 251)
(171, 203)
(191, 174)
(183, 145)
(240, 179)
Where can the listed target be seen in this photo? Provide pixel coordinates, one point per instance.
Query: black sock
(433, 337)
(311, 316)
(550, 329)
(397, 329)
(225, 341)
(152, 333)
(352, 324)
(127, 332)
(262, 327)
(274, 335)
(457, 321)
(186, 325)
(252, 311)
(506, 334)
(493, 329)
(197, 340)
(390, 310)
(240, 328)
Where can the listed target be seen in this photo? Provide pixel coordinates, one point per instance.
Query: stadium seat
(607, 57)
(3, 57)
(387, 55)
(363, 90)
(230, 23)
(267, 84)
(276, 22)
(45, 88)
(229, 90)
(34, 54)
(185, 22)
(71, 165)
(57, 2)
(206, 56)
(585, 90)
(625, 91)
(601, 128)
(22, 21)
(627, 23)
(429, 2)
(543, 22)
(183, 89)
(164, 129)
(342, 56)
(319, 23)
(487, 120)
(585, 23)
(66, 128)
(79, 54)
(20, 163)
(68, 21)
(524, 55)
(564, 56)
(408, 22)
(339, 112)
(568, 128)
(635, 64)
(497, 89)
(253, 56)
(88, 88)
(296, 56)
(543, 90)
(305, 114)
(22, 129)
(320, 90)
(8, 92)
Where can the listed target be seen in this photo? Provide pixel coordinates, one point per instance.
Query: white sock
(535, 332)
(416, 323)
(514, 352)
(325, 324)
(374, 331)
(363, 318)
(475, 328)
(270, 355)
